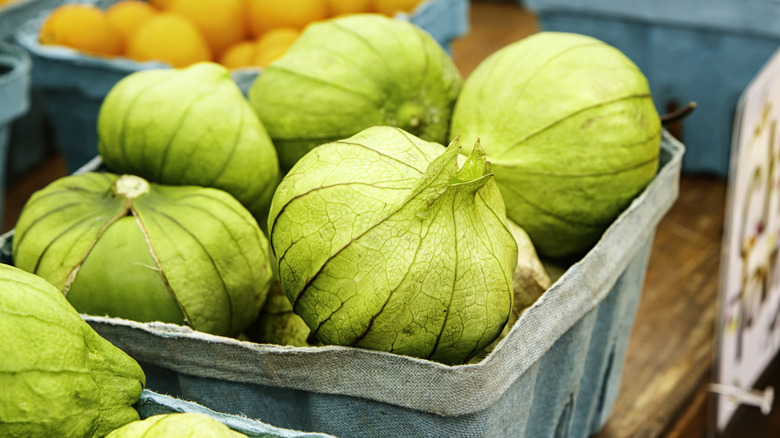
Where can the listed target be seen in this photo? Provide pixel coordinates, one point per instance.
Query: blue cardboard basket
(74, 84)
(29, 143)
(703, 51)
(14, 99)
(555, 374)
(15, 13)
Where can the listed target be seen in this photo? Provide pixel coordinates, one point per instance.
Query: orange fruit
(241, 54)
(220, 21)
(82, 27)
(273, 44)
(169, 38)
(127, 15)
(392, 7)
(261, 52)
(343, 7)
(264, 15)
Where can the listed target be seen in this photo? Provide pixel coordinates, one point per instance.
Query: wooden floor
(668, 364)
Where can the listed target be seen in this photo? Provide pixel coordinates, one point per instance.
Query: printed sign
(749, 332)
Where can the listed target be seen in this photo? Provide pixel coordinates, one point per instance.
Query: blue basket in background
(29, 142)
(15, 13)
(703, 51)
(14, 97)
(74, 85)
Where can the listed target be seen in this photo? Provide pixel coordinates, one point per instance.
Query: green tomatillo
(120, 246)
(176, 425)
(385, 241)
(59, 378)
(190, 126)
(353, 72)
(570, 126)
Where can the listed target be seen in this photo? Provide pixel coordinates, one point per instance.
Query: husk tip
(455, 143)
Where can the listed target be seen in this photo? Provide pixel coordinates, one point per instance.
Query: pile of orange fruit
(234, 33)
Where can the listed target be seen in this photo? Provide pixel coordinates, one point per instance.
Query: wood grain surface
(670, 351)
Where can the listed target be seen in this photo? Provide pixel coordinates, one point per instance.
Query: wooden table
(670, 351)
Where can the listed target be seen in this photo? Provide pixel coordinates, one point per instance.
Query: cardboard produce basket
(15, 12)
(74, 85)
(29, 141)
(556, 373)
(703, 51)
(14, 99)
